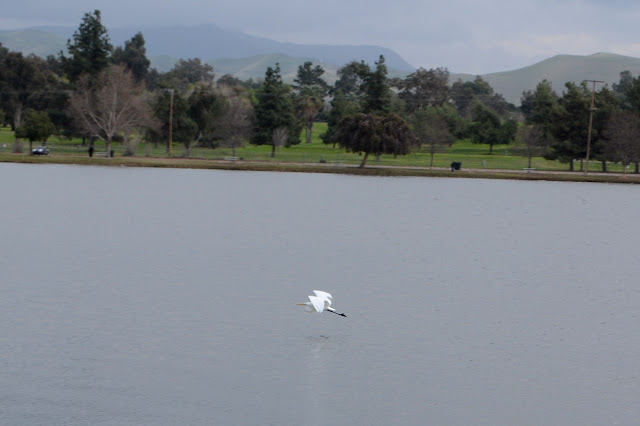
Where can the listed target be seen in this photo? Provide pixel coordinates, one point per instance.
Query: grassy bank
(317, 157)
(319, 168)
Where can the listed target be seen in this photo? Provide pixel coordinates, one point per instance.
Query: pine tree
(134, 57)
(90, 50)
(274, 110)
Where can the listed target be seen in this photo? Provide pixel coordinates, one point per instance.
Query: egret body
(319, 303)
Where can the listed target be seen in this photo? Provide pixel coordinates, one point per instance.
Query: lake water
(168, 297)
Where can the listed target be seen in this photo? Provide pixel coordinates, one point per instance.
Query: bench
(529, 169)
(231, 158)
(336, 162)
(100, 154)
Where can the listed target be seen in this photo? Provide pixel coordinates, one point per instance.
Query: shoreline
(347, 169)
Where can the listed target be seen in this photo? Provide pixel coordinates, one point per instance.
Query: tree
(89, 51)
(229, 80)
(181, 125)
(280, 136)
(113, 106)
(533, 140)
(274, 110)
(37, 126)
(187, 73)
(359, 89)
(341, 106)
(205, 105)
(350, 79)
(569, 124)
(623, 88)
(507, 132)
(377, 93)
(623, 134)
(235, 124)
(466, 94)
(606, 103)
(431, 128)
(374, 134)
(537, 106)
(485, 128)
(134, 57)
(309, 99)
(425, 88)
(458, 125)
(22, 80)
(308, 75)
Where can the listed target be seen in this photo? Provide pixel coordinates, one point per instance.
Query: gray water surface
(168, 297)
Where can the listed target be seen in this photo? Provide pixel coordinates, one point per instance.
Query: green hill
(558, 70)
(40, 43)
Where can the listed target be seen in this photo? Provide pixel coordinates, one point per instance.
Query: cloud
(463, 35)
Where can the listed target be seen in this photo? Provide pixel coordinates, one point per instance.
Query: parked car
(40, 150)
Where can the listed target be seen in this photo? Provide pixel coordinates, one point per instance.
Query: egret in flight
(319, 303)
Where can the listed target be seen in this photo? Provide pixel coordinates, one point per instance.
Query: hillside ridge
(246, 56)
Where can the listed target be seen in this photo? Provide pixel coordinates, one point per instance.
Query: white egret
(319, 303)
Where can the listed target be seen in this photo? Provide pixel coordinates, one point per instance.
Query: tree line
(99, 92)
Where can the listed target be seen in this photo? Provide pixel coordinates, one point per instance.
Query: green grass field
(470, 155)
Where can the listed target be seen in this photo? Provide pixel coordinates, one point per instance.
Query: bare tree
(623, 134)
(114, 106)
(132, 140)
(432, 129)
(280, 136)
(236, 122)
(534, 142)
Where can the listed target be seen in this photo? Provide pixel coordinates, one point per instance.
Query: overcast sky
(469, 36)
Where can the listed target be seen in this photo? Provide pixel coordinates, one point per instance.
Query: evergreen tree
(569, 125)
(274, 110)
(485, 128)
(341, 106)
(537, 106)
(90, 49)
(375, 134)
(308, 75)
(359, 89)
(377, 93)
(134, 57)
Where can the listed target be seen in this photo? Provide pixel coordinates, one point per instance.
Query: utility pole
(591, 109)
(170, 119)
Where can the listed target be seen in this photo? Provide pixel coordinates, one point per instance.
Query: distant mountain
(39, 42)
(558, 70)
(207, 42)
(255, 66)
(245, 56)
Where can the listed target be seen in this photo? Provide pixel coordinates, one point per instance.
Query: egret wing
(317, 303)
(323, 295)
